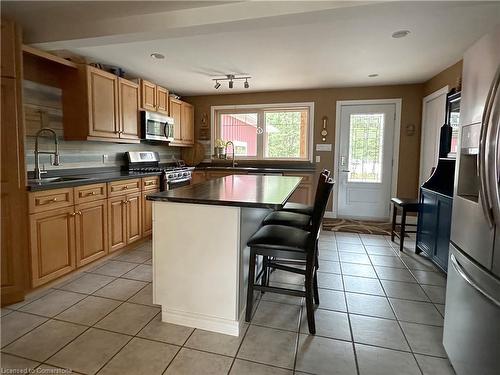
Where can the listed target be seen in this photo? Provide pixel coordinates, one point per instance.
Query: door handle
(471, 282)
(345, 170)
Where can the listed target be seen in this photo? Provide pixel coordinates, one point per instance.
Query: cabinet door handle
(72, 214)
(79, 213)
(93, 193)
(54, 199)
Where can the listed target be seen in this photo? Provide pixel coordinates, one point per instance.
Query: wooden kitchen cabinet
(52, 244)
(305, 191)
(148, 95)
(99, 106)
(147, 214)
(133, 217)
(117, 223)
(91, 232)
(124, 213)
(14, 206)
(183, 115)
(129, 109)
(187, 124)
(153, 97)
(175, 106)
(161, 99)
(103, 103)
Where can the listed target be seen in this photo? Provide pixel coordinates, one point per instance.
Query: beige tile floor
(380, 313)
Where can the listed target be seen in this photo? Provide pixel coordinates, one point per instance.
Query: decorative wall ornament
(324, 132)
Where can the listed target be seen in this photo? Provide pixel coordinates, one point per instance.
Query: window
(266, 131)
(366, 144)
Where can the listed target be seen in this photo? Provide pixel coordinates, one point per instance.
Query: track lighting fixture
(231, 78)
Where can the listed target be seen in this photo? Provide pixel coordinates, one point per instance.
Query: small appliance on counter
(149, 161)
(157, 127)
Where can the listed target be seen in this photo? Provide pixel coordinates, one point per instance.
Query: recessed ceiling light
(373, 75)
(157, 56)
(400, 34)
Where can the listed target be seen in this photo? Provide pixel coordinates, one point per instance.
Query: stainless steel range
(171, 177)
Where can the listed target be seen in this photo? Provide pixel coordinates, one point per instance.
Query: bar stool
(282, 245)
(405, 205)
(296, 214)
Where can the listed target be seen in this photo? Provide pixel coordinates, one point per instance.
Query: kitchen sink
(50, 180)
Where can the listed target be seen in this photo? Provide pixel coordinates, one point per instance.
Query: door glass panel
(241, 128)
(366, 143)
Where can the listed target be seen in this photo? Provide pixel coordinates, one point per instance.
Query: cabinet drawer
(151, 183)
(50, 199)
(90, 193)
(123, 187)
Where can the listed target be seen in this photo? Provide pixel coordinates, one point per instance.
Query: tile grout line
(349, 320)
(401, 328)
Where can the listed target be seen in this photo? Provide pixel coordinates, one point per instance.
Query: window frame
(260, 109)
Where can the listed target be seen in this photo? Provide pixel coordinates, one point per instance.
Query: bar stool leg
(402, 230)
(265, 273)
(309, 303)
(251, 280)
(394, 215)
(315, 288)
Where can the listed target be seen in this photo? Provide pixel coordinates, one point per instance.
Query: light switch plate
(324, 147)
(318, 159)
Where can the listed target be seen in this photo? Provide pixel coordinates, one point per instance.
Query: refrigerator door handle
(471, 282)
(494, 177)
(482, 160)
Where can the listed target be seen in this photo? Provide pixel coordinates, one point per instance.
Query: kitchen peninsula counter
(200, 256)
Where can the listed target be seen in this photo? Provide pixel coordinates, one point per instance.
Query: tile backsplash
(43, 108)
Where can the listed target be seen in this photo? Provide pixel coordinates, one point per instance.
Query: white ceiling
(282, 45)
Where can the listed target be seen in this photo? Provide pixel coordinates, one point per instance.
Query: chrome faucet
(233, 159)
(38, 171)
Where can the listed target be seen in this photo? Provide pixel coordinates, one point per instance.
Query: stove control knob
(185, 174)
(170, 176)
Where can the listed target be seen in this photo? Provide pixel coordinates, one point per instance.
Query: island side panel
(196, 265)
(251, 220)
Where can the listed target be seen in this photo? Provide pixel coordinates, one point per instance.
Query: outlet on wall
(318, 158)
(104, 158)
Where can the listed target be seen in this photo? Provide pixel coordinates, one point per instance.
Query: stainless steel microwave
(157, 127)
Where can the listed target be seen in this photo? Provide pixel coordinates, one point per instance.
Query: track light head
(247, 85)
(217, 85)
(231, 84)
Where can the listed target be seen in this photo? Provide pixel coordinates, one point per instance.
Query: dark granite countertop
(246, 166)
(85, 178)
(235, 190)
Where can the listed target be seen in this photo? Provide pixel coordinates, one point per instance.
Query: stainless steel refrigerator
(472, 311)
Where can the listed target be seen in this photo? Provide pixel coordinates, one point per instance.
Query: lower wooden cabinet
(117, 223)
(147, 214)
(124, 221)
(305, 191)
(52, 244)
(134, 219)
(91, 231)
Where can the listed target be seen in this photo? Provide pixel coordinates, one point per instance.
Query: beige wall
(450, 76)
(325, 102)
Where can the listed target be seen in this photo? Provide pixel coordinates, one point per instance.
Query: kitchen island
(200, 257)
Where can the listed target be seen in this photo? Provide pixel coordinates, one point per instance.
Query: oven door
(178, 183)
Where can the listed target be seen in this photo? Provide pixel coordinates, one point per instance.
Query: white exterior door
(433, 117)
(365, 160)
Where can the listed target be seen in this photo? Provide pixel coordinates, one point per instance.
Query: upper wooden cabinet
(161, 99)
(153, 97)
(129, 109)
(183, 115)
(98, 105)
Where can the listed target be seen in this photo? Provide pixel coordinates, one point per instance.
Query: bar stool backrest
(325, 186)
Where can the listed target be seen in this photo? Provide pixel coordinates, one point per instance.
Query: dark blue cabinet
(434, 224)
